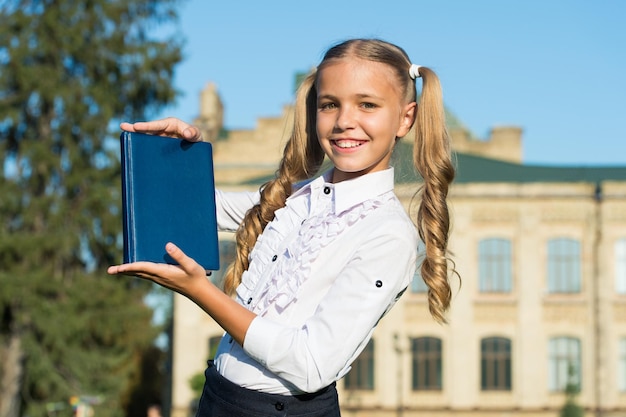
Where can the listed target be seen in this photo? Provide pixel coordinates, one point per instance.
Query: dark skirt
(222, 398)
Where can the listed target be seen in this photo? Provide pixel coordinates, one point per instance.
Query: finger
(155, 127)
(192, 134)
(187, 264)
(148, 270)
(167, 126)
(112, 270)
(174, 126)
(127, 127)
(120, 270)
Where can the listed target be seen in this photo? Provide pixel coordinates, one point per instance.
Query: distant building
(541, 251)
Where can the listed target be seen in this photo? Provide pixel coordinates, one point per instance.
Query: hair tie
(414, 71)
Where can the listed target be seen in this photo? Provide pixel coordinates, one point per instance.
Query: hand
(182, 278)
(189, 279)
(170, 126)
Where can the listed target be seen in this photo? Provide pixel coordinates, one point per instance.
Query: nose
(346, 119)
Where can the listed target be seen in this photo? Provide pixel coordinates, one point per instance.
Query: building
(541, 251)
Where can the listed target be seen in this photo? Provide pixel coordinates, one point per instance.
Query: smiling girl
(321, 259)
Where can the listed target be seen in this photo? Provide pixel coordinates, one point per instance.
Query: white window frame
(495, 265)
(563, 353)
(564, 259)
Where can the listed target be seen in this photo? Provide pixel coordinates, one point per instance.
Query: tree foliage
(69, 71)
(572, 389)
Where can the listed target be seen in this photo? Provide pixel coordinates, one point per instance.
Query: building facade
(540, 303)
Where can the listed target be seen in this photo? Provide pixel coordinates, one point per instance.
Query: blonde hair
(303, 156)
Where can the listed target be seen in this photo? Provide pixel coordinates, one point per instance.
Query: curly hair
(303, 157)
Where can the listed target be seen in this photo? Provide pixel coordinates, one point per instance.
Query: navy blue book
(168, 195)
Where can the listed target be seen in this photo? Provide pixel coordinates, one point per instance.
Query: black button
(249, 300)
(279, 406)
(379, 283)
(274, 258)
(326, 190)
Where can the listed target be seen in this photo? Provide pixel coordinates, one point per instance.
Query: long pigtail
(432, 159)
(302, 158)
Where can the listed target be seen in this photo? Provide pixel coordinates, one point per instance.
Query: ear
(407, 119)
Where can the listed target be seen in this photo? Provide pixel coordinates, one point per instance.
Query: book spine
(127, 198)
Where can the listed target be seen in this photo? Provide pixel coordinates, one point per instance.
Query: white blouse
(322, 274)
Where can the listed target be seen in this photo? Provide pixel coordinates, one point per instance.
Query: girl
(320, 262)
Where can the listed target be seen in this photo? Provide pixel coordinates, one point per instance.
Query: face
(361, 111)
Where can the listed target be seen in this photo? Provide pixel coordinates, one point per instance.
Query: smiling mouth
(348, 143)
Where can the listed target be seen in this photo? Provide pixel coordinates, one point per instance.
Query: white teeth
(347, 144)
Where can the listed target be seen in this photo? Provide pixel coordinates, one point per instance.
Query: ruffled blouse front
(264, 284)
(322, 273)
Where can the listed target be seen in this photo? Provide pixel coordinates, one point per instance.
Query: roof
(473, 168)
(478, 169)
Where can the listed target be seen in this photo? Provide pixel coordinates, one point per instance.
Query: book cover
(168, 195)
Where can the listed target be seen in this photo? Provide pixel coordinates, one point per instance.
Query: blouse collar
(349, 193)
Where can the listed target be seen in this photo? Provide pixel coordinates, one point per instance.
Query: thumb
(186, 263)
(192, 134)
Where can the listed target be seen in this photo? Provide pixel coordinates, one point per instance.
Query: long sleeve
(322, 274)
(320, 351)
(231, 207)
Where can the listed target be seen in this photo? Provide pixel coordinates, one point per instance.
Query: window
(495, 364)
(621, 377)
(418, 285)
(494, 263)
(620, 266)
(563, 266)
(361, 376)
(426, 363)
(563, 363)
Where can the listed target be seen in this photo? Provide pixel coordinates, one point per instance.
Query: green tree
(69, 71)
(572, 388)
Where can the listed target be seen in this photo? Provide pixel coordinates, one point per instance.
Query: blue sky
(555, 68)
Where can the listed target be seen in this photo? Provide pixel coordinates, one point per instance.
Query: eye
(368, 106)
(327, 106)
